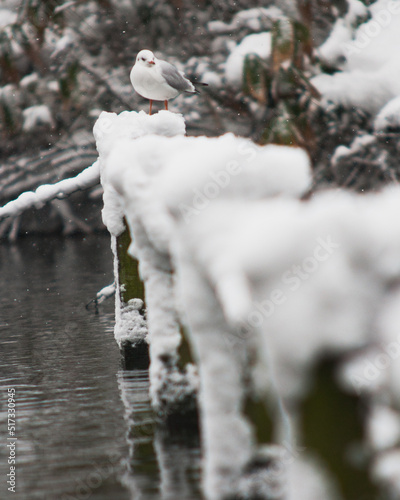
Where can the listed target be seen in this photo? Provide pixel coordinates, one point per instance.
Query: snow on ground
(370, 71)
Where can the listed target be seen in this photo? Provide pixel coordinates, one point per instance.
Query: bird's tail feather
(195, 84)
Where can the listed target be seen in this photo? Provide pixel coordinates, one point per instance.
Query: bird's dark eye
(142, 58)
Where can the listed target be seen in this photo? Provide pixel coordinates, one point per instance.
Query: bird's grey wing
(174, 78)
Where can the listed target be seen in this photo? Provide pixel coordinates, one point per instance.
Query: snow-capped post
(130, 327)
(172, 387)
(269, 288)
(239, 398)
(165, 203)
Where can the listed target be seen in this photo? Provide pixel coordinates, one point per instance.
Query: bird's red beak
(152, 62)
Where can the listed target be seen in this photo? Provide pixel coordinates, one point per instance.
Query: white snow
(116, 138)
(389, 116)
(359, 374)
(370, 75)
(388, 322)
(63, 43)
(131, 326)
(305, 279)
(28, 80)
(153, 175)
(258, 274)
(35, 116)
(212, 79)
(7, 17)
(387, 469)
(333, 48)
(47, 192)
(258, 44)
(53, 86)
(357, 144)
(383, 428)
(105, 293)
(250, 18)
(110, 130)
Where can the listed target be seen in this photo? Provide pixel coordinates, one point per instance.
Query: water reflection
(84, 426)
(172, 458)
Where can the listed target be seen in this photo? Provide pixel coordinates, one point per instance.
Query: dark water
(84, 426)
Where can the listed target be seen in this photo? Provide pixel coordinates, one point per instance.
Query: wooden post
(131, 286)
(134, 356)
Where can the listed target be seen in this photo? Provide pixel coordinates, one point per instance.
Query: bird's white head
(146, 58)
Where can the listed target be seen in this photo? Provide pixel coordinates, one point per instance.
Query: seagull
(158, 80)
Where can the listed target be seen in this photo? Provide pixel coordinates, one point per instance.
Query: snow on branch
(47, 192)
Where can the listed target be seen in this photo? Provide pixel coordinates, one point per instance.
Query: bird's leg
(151, 105)
(166, 104)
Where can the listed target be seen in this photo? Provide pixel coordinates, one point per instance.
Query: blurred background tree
(63, 62)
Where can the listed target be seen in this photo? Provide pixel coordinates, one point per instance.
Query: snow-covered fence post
(237, 393)
(311, 283)
(267, 286)
(172, 387)
(167, 185)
